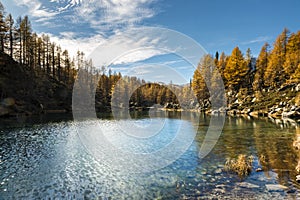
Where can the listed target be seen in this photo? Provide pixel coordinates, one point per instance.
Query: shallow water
(69, 160)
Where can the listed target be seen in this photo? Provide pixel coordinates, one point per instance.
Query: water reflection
(275, 149)
(296, 145)
(49, 161)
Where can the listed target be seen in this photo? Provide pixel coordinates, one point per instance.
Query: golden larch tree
(236, 69)
(274, 75)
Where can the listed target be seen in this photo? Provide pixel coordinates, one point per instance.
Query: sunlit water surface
(49, 160)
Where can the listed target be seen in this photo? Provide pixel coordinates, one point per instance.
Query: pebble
(218, 171)
(275, 187)
(220, 186)
(203, 172)
(218, 190)
(247, 185)
(298, 178)
(259, 169)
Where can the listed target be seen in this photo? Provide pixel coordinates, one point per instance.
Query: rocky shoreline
(281, 112)
(280, 105)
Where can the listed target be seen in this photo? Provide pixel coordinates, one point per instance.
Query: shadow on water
(28, 121)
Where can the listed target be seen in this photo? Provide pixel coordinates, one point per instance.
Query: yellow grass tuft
(241, 165)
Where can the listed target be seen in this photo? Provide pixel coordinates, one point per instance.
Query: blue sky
(216, 25)
(222, 25)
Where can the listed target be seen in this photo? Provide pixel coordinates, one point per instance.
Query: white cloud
(110, 18)
(141, 71)
(131, 46)
(124, 48)
(137, 55)
(68, 34)
(36, 9)
(257, 40)
(156, 73)
(107, 17)
(67, 41)
(134, 49)
(99, 14)
(114, 12)
(171, 62)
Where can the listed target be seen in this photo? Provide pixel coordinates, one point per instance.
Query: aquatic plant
(242, 165)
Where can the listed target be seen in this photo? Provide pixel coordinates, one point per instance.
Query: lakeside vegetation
(37, 76)
(262, 84)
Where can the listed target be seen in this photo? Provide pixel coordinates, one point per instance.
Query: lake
(113, 159)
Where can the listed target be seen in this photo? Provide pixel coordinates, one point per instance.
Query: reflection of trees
(273, 146)
(296, 145)
(274, 150)
(237, 137)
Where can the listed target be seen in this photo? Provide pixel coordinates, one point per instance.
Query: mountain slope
(24, 90)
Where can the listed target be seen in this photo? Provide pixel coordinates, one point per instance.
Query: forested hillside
(268, 84)
(37, 76)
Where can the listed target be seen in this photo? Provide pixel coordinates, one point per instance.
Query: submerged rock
(218, 171)
(259, 169)
(297, 88)
(247, 185)
(291, 114)
(276, 187)
(215, 112)
(298, 178)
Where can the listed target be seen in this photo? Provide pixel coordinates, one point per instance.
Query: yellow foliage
(202, 77)
(236, 68)
(242, 165)
(274, 75)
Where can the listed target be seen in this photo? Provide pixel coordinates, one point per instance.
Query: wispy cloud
(257, 40)
(137, 55)
(141, 70)
(126, 48)
(102, 15)
(107, 20)
(123, 49)
(156, 73)
(171, 62)
(36, 9)
(114, 13)
(67, 40)
(63, 19)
